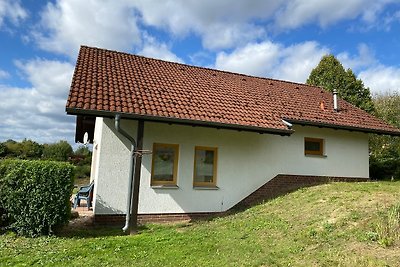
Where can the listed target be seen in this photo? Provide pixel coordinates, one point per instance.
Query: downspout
(131, 169)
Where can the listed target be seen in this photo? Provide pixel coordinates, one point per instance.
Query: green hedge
(384, 168)
(35, 195)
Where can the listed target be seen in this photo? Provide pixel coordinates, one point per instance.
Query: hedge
(35, 195)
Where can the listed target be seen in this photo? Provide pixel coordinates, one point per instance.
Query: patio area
(83, 211)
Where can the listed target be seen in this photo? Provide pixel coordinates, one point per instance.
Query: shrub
(82, 171)
(384, 168)
(35, 195)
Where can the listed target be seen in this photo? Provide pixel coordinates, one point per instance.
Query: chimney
(335, 102)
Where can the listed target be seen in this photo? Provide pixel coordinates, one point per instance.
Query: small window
(313, 146)
(165, 164)
(205, 166)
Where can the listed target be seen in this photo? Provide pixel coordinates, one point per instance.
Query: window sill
(206, 187)
(165, 186)
(315, 156)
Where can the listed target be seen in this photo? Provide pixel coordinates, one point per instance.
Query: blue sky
(39, 42)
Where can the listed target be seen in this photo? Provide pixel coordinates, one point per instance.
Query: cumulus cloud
(37, 112)
(364, 58)
(220, 24)
(67, 24)
(268, 59)
(300, 12)
(375, 75)
(154, 49)
(381, 78)
(12, 11)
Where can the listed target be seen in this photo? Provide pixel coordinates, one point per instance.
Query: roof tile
(110, 81)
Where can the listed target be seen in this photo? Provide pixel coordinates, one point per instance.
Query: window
(165, 164)
(205, 166)
(313, 146)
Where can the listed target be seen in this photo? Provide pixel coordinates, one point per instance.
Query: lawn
(327, 225)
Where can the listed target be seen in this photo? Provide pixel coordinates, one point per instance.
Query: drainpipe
(131, 169)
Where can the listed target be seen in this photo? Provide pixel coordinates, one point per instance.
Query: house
(208, 140)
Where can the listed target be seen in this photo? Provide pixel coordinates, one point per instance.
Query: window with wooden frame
(313, 146)
(164, 167)
(205, 166)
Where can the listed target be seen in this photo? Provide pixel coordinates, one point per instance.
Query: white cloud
(256, 59)
(364, 58)
(38, 112)
(4, 74)
(67, 24)
(267, 59)
(13, 11)
(220, 24)
(48, 77)
(381, 78)
(300, 12)
(152, 48)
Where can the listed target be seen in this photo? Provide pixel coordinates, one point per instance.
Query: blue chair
(86, 193)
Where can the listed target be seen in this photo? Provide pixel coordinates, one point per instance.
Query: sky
(282, 39)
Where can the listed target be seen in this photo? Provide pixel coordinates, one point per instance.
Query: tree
(30, 149)
(60, 151)
(331, 75)
(3, 150)
(14, 148)
(385, 150)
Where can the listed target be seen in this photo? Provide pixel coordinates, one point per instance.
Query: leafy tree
(3, 150)
(385, 150)
(83, 151)
(60, 151)
(14, 148)
(30, 150)
(331, 75)
(82, 156)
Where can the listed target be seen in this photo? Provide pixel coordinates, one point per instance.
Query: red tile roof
(106, 83)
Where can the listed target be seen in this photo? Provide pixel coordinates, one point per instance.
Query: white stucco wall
(245, 162)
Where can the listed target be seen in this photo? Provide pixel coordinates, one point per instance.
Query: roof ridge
(205, 68)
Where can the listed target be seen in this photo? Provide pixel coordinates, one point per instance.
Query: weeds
(388, 226)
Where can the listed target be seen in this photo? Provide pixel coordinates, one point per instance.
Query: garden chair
(86, 193)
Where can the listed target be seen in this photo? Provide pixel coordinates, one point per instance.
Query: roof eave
(344, 127)
(218, 125)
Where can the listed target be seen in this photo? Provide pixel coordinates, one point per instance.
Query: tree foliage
(60, 151)
(331, 75)
(385, 150)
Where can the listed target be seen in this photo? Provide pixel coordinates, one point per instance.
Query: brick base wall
(119, 219)
(279, 185)
(284, 183)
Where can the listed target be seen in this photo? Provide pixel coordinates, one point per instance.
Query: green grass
(328, 225)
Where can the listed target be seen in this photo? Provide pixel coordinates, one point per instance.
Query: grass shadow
(88, 230)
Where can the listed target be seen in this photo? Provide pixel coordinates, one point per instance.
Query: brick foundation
(119, 219)
(279, 185)
(284, 183)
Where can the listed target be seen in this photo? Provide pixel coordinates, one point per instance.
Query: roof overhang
(217, 125)
(343, 127)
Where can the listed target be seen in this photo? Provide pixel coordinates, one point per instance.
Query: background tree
(14, 148)
(30, 149)
(82, 159)
(3, 150)
(385, 150)
(60, 151)
(331, 75)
